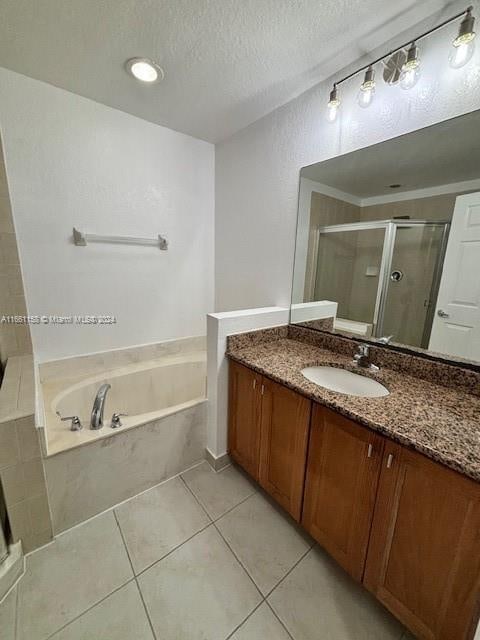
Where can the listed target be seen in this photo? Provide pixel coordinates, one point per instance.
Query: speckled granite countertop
(442, 422)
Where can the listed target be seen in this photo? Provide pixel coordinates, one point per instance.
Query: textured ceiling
(227, 62)
(445, 153)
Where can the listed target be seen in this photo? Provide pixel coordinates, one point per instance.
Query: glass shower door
(348, 270)
(412, 282)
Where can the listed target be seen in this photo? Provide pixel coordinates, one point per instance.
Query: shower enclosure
(382, 273)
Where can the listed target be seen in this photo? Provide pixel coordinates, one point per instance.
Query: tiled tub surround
(14, 338)
(147, 383)
(433, 407)
(90, 470)
(21, 470)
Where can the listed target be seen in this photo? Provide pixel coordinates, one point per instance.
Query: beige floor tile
(7, 616)
(121, 616)
(266, 542)
(70, 575)
(218, 492)
(199, 591)
(158, 520)
(317, 600)
(261, 625)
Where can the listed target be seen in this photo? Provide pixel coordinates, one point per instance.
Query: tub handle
(75, 425)
(116, 422)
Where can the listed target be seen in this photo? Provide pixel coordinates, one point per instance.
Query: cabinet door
(244, 417)
(424, 557)
(344, 461)
(283, 450)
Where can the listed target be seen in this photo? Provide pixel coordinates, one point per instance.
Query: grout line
(239, 562)
(89, 608)
(197, 499)
(137, 575)
(255, 492)
(288, 572)
(134, 576)
(279, 620)
(115, 506)
(244, 621)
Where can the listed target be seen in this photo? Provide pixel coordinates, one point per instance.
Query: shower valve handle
(76, 425)
(116, 422)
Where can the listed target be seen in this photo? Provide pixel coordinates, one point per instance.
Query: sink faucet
(362, 357)
(96, 421)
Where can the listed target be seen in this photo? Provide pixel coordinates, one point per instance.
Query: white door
(456, 325)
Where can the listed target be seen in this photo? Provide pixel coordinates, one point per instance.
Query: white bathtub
(163, 390)
(145, 391)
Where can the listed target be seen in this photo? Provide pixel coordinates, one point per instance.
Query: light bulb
(333, 105)
(461, 54)
(144, 70)
(463, 45)
(411, 69)
(367, 89)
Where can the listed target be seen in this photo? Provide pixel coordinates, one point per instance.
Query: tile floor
(203, 556)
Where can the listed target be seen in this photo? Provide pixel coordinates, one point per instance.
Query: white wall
(73, 162)
(257, 170)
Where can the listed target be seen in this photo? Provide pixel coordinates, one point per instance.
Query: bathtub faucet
(96, 421)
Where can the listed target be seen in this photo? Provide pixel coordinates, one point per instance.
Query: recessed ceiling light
(144, 70)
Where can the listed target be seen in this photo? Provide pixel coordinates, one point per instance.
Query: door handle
(442, 314)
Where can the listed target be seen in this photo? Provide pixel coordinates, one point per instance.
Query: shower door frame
(390, 227)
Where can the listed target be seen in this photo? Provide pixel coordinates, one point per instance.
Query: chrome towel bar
(81, 239)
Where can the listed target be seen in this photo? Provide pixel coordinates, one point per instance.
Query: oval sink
(345, 381)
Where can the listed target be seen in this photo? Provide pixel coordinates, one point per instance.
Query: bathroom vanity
(388, 486)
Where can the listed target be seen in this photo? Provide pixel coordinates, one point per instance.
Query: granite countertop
(439, 421)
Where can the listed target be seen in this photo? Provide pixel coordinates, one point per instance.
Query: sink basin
(345, 381)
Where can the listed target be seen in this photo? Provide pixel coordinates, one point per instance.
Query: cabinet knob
(254, 383)
(369, 451)
(389, 460)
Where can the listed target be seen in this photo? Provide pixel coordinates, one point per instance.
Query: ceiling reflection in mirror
(388, 241)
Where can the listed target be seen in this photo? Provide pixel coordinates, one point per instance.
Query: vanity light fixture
(402, 65)
(367, 88)
(464, 43)
(411, 69)
(145, 70)
(333, 104)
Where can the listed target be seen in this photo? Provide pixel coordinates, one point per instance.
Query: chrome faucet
(96, 421)
(362, 357)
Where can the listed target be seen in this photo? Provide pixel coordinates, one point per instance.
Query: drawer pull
(369, 451)
(389, 460)
(254, 383)
(262, 389)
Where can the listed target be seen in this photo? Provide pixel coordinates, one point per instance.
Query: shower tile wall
(14, 339)
(23, 482)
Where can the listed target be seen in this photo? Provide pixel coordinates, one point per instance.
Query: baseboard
(217, 463)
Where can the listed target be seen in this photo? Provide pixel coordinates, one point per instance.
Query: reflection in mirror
(388, 241)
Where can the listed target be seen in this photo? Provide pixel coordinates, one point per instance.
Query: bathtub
(144, 392)
(163, 433)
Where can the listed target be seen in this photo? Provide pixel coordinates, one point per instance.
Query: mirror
(388, 241)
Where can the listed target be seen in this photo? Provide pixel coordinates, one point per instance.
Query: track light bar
(463, 47)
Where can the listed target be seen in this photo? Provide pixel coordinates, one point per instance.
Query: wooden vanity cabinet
(244, 417)
(285, 421)
(423, 559)
(344, 461)
(268, 434)
(404, 525)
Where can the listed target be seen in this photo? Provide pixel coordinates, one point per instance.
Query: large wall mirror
(388, 241)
